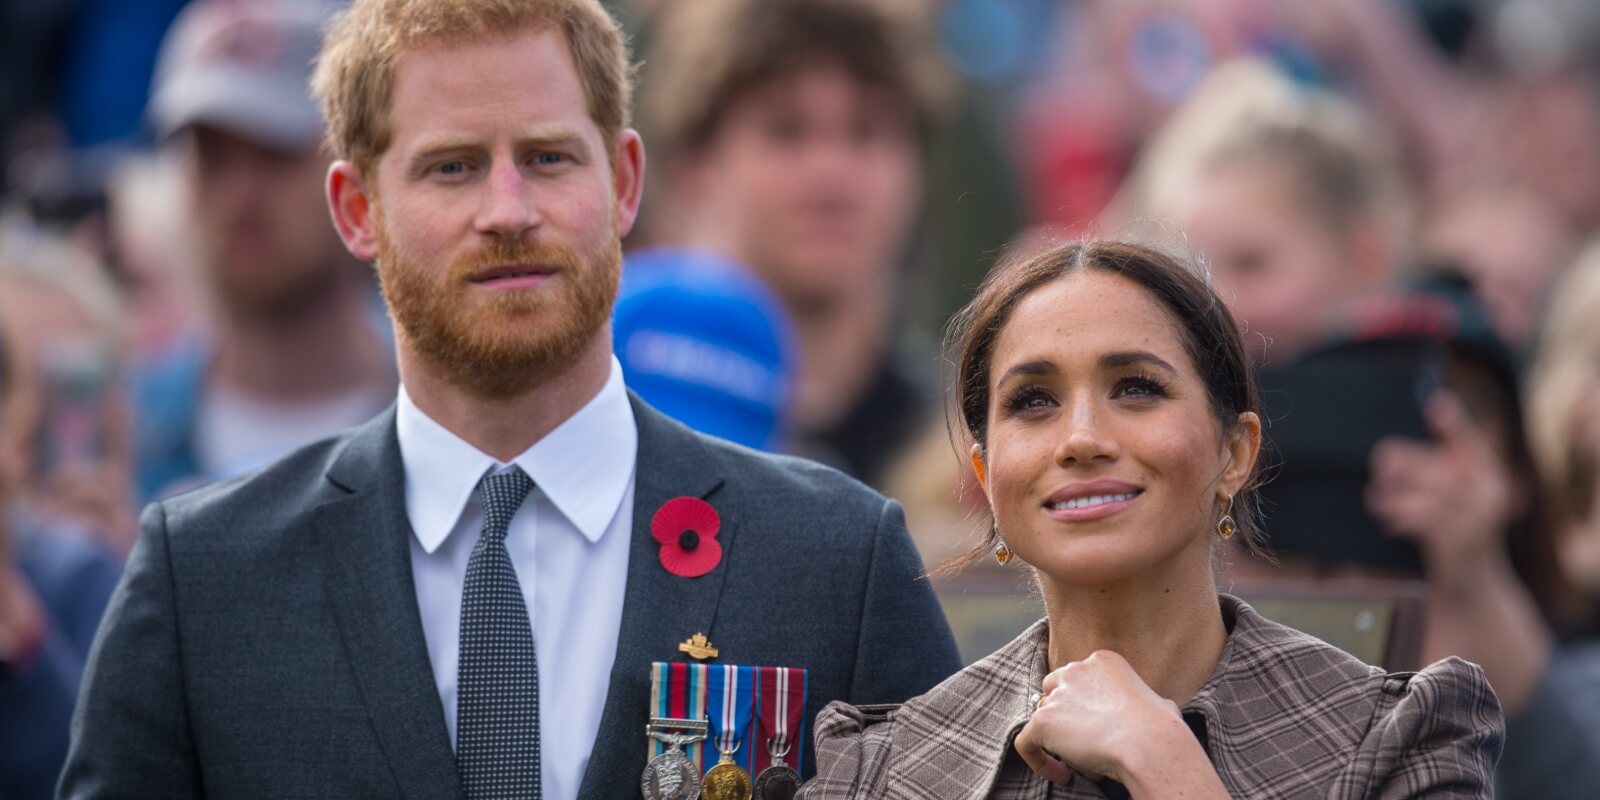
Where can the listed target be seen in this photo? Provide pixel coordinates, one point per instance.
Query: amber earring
(1226, 526)
(1002, 553)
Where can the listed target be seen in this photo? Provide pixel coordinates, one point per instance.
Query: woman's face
(1104, 460)
(1275, 263)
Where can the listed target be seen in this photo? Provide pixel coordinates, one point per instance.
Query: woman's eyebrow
(1029, 368)
(1129, 358)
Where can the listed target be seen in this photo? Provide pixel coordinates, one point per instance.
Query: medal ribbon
(677, 691)
(730, 704)
(782, 716)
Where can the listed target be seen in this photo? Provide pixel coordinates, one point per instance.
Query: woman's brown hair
(1207, 330)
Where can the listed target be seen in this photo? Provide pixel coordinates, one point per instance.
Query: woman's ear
(1244, 446)
(979, 468)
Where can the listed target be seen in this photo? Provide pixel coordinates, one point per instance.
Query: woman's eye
(1141, 388)
(1028, 400)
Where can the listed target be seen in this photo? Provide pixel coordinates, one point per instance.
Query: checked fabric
(497, 692)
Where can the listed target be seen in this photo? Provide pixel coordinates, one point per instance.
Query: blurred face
(261, 226)
(814, 181)
(1104, 460)
(497, 211)
(1272, 259)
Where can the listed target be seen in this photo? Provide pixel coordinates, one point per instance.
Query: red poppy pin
(687, 529)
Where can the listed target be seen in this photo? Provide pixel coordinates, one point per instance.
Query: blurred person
(153, 253)
(293, 351)
(707, 344)
(1113, 425)
(1553, 748)
(1461, 496)
(54, 585)
(1290, 195)
(465, 596)
(793, 137)
(76, 460)
(1510, 245)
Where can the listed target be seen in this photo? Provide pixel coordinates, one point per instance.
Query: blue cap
(707, 344)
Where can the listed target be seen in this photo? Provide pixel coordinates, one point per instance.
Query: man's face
(497, 215)
(814, 181)
(263, 235)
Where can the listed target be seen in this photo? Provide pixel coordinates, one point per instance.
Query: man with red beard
(463, 598)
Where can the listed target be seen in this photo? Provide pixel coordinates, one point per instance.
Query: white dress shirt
(568, 541)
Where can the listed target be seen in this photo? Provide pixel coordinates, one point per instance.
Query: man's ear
(354, 212)
(1244, 446)
(628, 179)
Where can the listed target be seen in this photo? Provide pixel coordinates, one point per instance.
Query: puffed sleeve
(1438, 734)
(852, 752)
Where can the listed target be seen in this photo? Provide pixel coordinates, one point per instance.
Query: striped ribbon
(679, 691)
(730, 706)
(781, 715)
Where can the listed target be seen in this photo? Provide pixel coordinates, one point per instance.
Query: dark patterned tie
(497, 686)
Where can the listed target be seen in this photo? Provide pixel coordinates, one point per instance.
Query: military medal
(677, 726)
(730, 697)
(779, 781)
(726, 780)
(671, 775)
(780, 713)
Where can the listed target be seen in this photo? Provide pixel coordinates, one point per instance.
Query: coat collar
(988, 702)
(659, 609)
(365, 538)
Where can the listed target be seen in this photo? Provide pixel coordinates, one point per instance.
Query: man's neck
(505, 427)
(1166, 623)
(841, 348)
(328, 350)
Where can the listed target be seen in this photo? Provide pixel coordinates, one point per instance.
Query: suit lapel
(659, 609)
(365, 537)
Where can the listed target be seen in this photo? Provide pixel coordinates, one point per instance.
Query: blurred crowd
(1398, 198)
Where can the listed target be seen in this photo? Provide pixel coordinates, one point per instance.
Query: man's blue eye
(452, 168)
(549, 159)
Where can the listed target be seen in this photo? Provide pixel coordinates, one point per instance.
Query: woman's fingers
(1037, 758)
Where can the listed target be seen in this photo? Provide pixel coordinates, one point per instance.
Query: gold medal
(726, 780)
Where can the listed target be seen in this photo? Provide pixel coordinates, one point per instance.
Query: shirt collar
(583, 467)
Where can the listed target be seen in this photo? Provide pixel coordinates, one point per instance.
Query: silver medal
(671, 775)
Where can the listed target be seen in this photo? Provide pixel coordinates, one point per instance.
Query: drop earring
(1226, 526)
(1002, 553)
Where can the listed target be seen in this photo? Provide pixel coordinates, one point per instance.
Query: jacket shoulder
(277, 492)
(791, 482)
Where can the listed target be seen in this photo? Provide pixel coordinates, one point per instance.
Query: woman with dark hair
(1112, 422)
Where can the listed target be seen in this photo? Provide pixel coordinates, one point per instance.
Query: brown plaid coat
(1283, 716)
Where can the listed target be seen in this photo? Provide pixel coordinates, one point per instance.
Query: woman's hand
(1454, 497)
(1099, 718)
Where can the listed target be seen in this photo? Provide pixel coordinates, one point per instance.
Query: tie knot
(502, 494)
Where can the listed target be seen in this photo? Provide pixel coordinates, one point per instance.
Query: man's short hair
(355, 73)
(704, 55)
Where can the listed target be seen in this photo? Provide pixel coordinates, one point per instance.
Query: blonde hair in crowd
(1340, 162)
(1565, 376)
(355, 74)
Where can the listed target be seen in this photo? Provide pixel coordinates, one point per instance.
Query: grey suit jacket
(265, 640)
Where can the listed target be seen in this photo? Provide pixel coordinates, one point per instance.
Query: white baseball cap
(243, 66)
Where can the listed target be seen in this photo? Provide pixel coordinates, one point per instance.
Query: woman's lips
(1105, 508)
(1091, 501)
